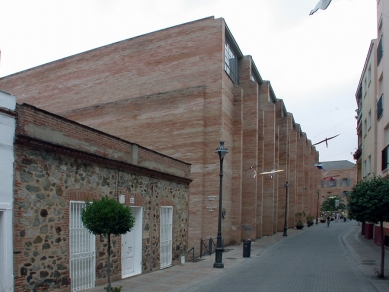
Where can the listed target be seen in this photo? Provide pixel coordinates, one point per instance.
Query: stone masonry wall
(45, 182)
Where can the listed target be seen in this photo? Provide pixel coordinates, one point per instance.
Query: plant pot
(322, 221)
(299, 226)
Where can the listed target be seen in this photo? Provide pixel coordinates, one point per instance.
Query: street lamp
(221, 151)
(286, 211)
(317, 209)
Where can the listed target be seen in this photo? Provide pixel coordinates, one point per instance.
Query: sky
(313, 62)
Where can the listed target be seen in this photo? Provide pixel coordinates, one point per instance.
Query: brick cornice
(29, 142)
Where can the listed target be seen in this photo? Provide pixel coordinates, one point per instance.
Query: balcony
(358, 153)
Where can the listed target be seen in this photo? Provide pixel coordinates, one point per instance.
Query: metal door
(166, 237)
(82, 250)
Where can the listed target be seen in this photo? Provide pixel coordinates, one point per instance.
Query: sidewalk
(366, 255)
(361, 253)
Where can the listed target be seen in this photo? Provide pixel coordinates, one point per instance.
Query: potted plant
(299, 219)
(310, 219)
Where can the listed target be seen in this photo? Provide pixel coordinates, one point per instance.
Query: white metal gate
(166, 236)
(82, 250)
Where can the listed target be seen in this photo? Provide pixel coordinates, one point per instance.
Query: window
(345, 182)
(365, 127)
(380, 51)
(369, 74)
(385, 152)
(368, 165)
(345, 193)
(369, 120)
(385, 158)
(381, 85)
(331, 182)
(231, 62)
(379, 107)
(364, 168)
(253, 78)
(365, 86)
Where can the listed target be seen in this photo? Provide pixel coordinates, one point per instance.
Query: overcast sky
(313, 62)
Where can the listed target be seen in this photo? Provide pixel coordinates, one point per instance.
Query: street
(315, 260)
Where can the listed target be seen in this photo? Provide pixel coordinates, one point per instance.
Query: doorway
(166, 237)
(132, 246)
(82, 250)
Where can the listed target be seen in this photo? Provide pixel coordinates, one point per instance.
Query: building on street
(179, 91)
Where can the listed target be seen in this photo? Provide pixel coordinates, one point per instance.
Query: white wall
(7, 130)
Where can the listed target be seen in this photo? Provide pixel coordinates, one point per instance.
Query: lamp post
(317, 209)
(286, 211)
(221, 151)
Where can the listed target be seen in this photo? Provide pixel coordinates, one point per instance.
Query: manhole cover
(231, 258)
(369, 264)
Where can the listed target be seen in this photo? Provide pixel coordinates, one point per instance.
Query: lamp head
(222, 151)
(287, 185)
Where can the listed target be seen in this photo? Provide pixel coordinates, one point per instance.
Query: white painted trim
(6, 251)
(7, 130)
(5, 206)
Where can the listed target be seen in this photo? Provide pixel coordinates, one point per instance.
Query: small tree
(107, 216)
(369, 201)
(329, 204)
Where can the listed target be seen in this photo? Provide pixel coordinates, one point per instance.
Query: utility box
(246, 248)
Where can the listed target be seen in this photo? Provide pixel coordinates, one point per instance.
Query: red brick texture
(168, 91)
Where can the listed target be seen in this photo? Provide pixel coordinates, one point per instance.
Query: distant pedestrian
(328, 220)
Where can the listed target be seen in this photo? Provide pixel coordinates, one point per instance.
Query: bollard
(210, 246)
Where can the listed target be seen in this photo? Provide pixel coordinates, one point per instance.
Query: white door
(82, 250)
(132, 246)
(166, 237)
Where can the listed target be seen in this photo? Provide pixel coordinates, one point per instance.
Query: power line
(334, 127)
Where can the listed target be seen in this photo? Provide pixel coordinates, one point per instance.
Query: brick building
(372, 155)
(58, 165)
(180, 91)
(338, 179)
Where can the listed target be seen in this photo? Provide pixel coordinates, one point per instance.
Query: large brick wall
(50, 173)
(168, 91)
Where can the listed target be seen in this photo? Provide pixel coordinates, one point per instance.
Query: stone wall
(44, 182)
(50, 172)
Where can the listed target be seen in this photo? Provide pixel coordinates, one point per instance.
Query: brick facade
(58, 161)
(168, 91)
(337, 179)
